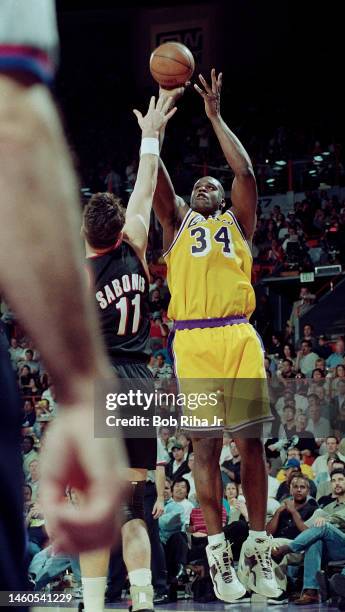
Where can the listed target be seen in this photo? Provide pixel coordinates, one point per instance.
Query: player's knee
(134, 508)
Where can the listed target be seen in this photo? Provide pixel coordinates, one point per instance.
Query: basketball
(172, 64)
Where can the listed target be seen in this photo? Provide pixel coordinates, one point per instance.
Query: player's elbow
(245, 173)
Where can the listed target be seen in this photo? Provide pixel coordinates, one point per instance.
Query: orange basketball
(172, 64)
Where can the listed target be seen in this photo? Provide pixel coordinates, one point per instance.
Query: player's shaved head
(208, 195)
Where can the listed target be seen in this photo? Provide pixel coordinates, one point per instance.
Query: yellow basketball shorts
(221, 372)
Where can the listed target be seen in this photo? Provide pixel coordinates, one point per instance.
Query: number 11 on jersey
(123, 305)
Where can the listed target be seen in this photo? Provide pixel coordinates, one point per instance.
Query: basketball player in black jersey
(116, 242)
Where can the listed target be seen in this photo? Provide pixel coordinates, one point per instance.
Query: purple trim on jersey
(27, 59)
(204, 323)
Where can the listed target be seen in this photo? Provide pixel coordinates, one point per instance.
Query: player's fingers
(152, 103)
(214, 80)
(170, 114)
(167, 105)
(220, 82)
(205, 84)
(138, 115)
(200, 91)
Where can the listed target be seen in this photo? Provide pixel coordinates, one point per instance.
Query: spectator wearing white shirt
(273, 483)
(225, 454)
(320, 464)
(306, 359)
(50, 395)
(180, 490)
(318, 425)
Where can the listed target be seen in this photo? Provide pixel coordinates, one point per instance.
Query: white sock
(257, 534)
(140, 577)
(93, 593)
(218, 538)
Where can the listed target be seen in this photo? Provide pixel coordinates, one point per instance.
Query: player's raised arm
(140, 203)
(244, 191)
(169, 208)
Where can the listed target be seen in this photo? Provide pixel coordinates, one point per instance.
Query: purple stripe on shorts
(204, 323)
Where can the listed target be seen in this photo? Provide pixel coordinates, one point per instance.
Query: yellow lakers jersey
(209, 269)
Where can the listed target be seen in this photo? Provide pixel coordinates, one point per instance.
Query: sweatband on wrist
(149, 146)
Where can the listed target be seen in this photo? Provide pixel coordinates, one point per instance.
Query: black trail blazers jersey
(121, 289)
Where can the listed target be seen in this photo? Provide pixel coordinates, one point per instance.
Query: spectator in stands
(50, 395)
(291, 468)
(339, 376)
(37, 535)
(180, 490)
(321, 364)
(275, 346)
(323, 349)
(231, 468)
(35, 388)
(289, 353)
(273, 483)
(163, 370)
(172, 532)
(226, 451)
(306, 440)
(292, 237)
(338, 410)
(156, 302)
(236, 508)
(318, 375)
(24, 379)
(320, 464)
(190, 478)
(177, 466)
(164, 435)
(289, 520)
(300, 308)
(308, 334)
(337, 358)
(186, 443)
(295, 453)
(323, 481)
(306, 359)
(33, 364)
(27, 496)
(318, 425)
(157, 332)
(300, 400)
(29, 414)
(16, 352)
(34, 478)
(163, 291)
(319, 538)
(288, 426)
(286, 372)
(29, 454)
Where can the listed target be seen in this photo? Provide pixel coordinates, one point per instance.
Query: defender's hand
(157, 115)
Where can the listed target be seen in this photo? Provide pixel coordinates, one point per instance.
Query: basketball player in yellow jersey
(207, 251)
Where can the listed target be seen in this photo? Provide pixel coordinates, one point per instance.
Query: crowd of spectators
(305, 444)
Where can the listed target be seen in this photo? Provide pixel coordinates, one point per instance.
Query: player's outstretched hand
(175, 94)
(211, 94)
(72, 456)
(156, 117)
